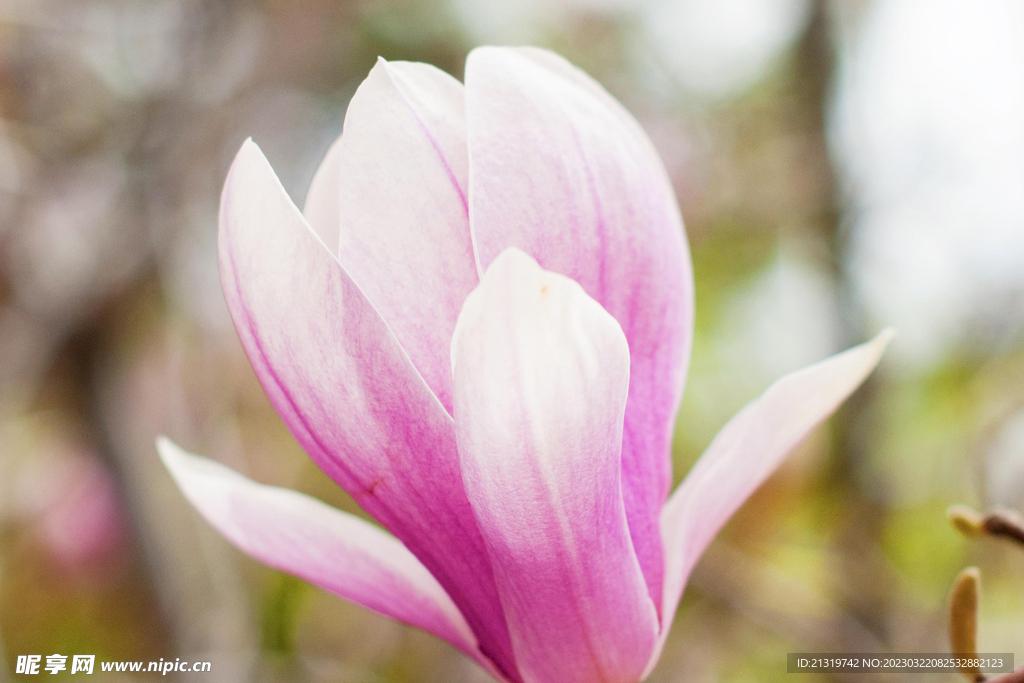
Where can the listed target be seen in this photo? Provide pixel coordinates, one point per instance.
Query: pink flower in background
(479, 327)
(72, 498)
(87, 522)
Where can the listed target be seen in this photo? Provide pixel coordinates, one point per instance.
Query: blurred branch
(997, 522)
(1005, 524)
(868, 593)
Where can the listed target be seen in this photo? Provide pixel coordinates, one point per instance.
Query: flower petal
(561, 170)
(327, 547)
(541, 373)
(342, 383)
(398, 177)
(748, 449)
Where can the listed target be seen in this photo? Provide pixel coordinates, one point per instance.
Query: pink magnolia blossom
(479, 327)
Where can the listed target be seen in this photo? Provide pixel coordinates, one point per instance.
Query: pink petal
(561, 170)
(397, 180)
(541, 373)
(346, 389)
(329, 548)
(748, 449)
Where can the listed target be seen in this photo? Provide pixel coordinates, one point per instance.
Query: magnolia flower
(479, 327)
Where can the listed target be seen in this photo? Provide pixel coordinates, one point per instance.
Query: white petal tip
(879, 343)
(886, 336)
(186, 469)
(169, 452)
(249, 146)
(515, 259)
(191, 472)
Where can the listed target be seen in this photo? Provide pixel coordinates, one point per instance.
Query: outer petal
(329, 548)
(746, 451)
(348, 392)
(396, 183)
(541, 374)
(559, 169)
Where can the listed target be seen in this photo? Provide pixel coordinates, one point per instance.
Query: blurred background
(841, 166)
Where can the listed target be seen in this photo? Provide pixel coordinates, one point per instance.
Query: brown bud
(963, 617)
(967, 521)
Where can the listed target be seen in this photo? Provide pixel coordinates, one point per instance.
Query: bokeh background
(841, 166)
